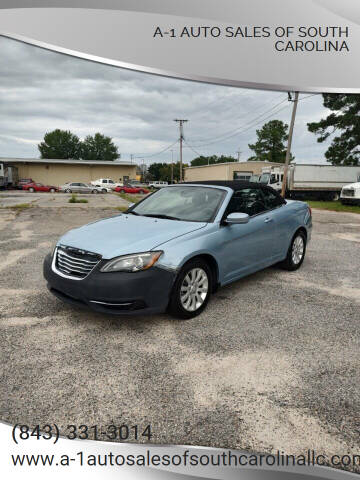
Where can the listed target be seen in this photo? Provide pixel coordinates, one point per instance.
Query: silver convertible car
(171, 250)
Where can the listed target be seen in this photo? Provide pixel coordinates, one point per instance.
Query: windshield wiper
(160, 215)
(132, 212)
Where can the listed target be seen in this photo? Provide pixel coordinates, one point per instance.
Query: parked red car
(131, 189)
(39, 187)
(24, 181)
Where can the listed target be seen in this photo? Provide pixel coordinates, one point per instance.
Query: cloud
(42, 90)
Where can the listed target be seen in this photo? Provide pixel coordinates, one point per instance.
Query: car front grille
(348, 192)
(75, 262)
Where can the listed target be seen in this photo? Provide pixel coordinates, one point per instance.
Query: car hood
(125, 234)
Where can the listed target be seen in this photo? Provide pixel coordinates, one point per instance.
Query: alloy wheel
(194, 289)
(298, 249)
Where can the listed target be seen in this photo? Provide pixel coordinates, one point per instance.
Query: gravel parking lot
(273, 363)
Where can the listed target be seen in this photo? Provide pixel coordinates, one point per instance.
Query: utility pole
(288, 150)
(172, 166)
(238, 154)
(181, 129)
(131, 157)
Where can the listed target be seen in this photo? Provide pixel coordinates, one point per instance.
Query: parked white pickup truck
(350, 194)
(106, 183)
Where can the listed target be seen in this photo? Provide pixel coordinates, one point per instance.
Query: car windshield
(265, 178)
(187, 203)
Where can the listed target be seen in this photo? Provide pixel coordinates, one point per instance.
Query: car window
(272, 199)
(247, 200)
(110, 181)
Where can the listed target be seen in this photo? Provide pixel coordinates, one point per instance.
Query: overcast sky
(42, 90)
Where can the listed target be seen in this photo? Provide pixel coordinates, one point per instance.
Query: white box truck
(307, 181)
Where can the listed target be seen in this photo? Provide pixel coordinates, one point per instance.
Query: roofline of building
(236, 163)
(66, 162)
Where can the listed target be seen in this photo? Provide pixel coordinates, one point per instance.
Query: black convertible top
(234, 184)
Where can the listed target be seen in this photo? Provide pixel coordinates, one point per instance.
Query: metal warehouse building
(226, 171)
(57, 172)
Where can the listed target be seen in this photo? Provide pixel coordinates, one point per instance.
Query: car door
(276, 206)
(245, 248)
(39, 187)
(85, 188)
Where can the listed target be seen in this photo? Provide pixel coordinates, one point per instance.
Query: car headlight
(132, 263)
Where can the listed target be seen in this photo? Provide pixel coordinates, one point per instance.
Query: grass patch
(19, 207)
(74, 199)
(333, 206)
(130, 197)
(120, 209)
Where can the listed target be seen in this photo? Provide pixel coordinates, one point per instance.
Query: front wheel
(296, 252)
(31, 190)
(68, 190)
(191, 291)
(52, 190)
(104, 190)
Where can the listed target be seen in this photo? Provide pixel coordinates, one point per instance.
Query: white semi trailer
(323, 182)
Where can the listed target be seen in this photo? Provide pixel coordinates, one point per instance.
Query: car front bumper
(117, 293)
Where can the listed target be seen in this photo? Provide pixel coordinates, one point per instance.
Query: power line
(232, 133)
(243, 130)
(156, 153)
(308, 96)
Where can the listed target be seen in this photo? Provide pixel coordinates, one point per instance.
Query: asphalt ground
(272, 364)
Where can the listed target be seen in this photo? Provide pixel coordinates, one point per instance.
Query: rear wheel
(104, 190)
(141, 191)
(68, 190)
(52, 190)
(191, 291)
(296, 252)
(31, 190)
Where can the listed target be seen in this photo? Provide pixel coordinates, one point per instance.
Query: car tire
(104, 190)
(184, 307)
(68, 190)
(296, 253)
(122, 191)
(52, 190)
(95, 192)
(31, 190)
(141, 192)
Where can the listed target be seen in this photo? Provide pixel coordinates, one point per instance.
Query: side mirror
(237, 218)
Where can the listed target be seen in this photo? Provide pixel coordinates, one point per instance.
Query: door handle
(268, 220)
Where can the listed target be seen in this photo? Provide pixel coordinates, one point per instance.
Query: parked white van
(158, 184)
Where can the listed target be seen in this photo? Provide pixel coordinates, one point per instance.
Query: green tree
(154, 170)
(99, 147)
(270, 143)
(210, 160)
(345, 120)
(162, 171)
(60, 144)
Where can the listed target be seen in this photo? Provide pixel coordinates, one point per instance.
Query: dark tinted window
(272, 199)
(247, 200)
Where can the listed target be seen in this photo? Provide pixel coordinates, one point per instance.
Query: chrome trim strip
(111, 304)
